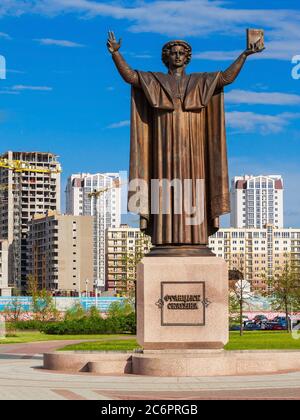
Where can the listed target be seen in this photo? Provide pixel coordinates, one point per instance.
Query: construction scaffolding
(22, 166)
(19, 185)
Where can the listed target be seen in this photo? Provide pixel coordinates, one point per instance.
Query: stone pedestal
(182, 303)
(175, 363)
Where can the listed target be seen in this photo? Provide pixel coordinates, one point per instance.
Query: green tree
(117, 309)
(131, 261)
(284, 290)
(43, 305)
(94, 312)
(239, 295)
(234, 308)
(13, 310)
(75, 313)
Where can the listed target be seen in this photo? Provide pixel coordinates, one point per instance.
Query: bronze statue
(178, 133)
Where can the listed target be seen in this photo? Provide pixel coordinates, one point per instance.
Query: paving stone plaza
(21, 378)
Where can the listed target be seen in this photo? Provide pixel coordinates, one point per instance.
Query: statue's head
(176, 54)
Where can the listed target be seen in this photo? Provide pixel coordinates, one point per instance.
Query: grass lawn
(105, 345)
(35, 336)
(263, 340)
(253, 340)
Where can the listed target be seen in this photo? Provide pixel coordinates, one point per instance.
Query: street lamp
(97, 291)
(86, 287)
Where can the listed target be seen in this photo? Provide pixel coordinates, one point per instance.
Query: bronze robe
(178, 132)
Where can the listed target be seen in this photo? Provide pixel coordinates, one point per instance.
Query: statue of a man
(178, 137)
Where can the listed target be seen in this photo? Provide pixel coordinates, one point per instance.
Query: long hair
(167, 49)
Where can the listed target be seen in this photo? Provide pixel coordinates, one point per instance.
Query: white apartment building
(25, 193)
(256, 201)
(97, 195)
(126, 246)
(257, 253)
(4, 289)
(74, 194)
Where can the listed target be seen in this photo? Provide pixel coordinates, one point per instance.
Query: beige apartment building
(97, 195)
(257, 253)
(60, 253)
(31, 186)
(4, 289)
(125, 247)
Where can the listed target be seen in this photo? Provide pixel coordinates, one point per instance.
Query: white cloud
(59, 43)
(32, 88)
(182, 18)
(5, 36)
(250, 122)
(275, 50)
(15, 71)
(120, 124)
(9, 92)
(17, 89)
(217, 55)
(261, 98)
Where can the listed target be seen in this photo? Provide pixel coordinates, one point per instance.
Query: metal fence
(61, 303)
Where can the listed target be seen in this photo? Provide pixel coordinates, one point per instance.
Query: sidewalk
(22, 379)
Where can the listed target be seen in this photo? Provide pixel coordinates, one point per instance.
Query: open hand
(255, 48)
(112, 44)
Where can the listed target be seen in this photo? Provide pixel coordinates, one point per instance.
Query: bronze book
(255, 36)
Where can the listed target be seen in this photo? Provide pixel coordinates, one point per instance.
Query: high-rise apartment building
(257, 253)
(126, 246)
(4, 290)
(75, 194)
(257, 201)
(99, 196)
(33, 187)
(60, 253)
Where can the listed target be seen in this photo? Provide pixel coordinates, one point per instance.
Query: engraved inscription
(183, 303)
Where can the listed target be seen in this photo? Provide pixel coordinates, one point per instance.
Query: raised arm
(228, 76)
(130, 76)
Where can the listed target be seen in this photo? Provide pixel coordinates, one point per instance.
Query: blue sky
(62, 93)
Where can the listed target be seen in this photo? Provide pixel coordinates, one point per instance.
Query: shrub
(120, 320)
(29, 325)
(75, 313)
(75, 327)
(120, 309)
(94, 312)
(92, 325)
(129, 323)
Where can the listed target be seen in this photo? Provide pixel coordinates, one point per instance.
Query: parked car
(235, 328)
(281, 320)
(260, 318)
(272, 326)
(265, 325)
(252, 326)
(279, 327)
